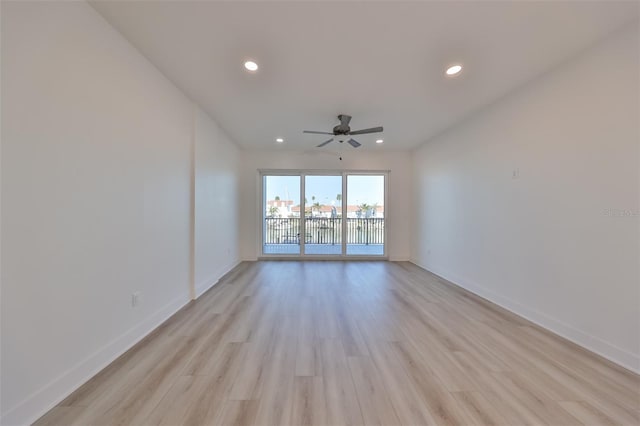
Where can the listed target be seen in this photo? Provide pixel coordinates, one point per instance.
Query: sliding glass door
(323, 214)
(365, 217)
(281, 224)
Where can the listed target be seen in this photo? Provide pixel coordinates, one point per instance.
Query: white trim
(592, 343)
(302, 236)
(312, 257)
(260, 218)
(192, 203)
(344, 206)
(50, 395)
(205, 285)
(319, 172)
(386, 214)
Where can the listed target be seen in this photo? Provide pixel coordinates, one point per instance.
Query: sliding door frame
(320, 172)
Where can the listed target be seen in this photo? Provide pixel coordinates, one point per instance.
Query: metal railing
(322, 230)
(368, 230)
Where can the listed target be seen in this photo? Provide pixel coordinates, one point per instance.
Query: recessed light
(454, 69)
(379, 141)
(279, 140)
(251, 66)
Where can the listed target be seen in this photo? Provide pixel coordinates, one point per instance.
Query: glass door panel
(365, 232)
(281, 223)
(323, 215)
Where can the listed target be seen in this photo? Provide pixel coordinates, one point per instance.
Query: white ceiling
(381, 62)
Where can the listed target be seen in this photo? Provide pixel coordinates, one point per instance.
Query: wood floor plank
(401, 391)
(375, 404)
(350, 343)
(440, 404)
(61, 415)
(133, 364)
(207, 406)
(340, 393)
(238, 413)
(308, 358)
(586, 413)
(277, 389)
(478, 410)
(134, 403)
(172, 409)
(548, 410)
(309, 406)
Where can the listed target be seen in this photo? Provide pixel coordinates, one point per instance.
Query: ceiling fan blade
(317, 133)
(324, 143)
(344, 119)
(354, 143)
(365, 131)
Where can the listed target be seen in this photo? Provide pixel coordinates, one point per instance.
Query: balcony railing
(322, 230)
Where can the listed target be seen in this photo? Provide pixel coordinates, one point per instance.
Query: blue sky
(362, 189)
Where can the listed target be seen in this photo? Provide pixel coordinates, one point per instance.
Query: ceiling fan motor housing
(341, 130)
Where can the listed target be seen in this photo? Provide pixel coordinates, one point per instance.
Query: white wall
(216, 203)
(101, 196)
(97, 200)
(544, 245)
(398, 212)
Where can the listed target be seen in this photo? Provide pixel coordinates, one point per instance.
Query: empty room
(320, 213)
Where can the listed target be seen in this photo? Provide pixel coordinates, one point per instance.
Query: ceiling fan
(343, 129)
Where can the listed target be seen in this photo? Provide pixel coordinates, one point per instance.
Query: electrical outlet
(515, 174)
(135, 299)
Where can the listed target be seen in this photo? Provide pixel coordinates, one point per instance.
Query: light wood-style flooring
(350, 343)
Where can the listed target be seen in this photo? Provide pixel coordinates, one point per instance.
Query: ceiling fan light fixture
(251, 66)
(454, 70)
(279, 140)
(342, 131)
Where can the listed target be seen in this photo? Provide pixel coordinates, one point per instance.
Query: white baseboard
(205, 285)
(391, 259)
(43, 400)
(34, 406)
(592, 343)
